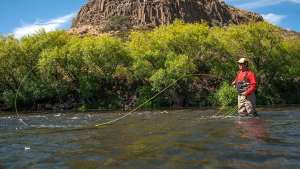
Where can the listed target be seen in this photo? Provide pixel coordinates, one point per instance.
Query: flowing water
(181, 139)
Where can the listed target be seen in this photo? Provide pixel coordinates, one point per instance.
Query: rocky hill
(114, 15)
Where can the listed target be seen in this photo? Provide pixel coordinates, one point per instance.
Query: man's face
(242, 66)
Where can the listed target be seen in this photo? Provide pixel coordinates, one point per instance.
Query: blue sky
(284, 13)
(21, 17)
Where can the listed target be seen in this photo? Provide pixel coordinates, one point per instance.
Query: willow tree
(86, 68)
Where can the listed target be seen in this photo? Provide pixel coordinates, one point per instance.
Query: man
(245, 83)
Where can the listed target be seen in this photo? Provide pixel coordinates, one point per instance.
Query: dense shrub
(225, 96)
(118, 23)
(105, 71)
(85, 66)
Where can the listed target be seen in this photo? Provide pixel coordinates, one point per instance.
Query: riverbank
(212, 109)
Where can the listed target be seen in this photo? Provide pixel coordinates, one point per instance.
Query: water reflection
(252, 128)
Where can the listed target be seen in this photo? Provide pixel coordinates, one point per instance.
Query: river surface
(180, 139)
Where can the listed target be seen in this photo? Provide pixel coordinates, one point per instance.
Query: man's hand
(233, 83)
(243, 94)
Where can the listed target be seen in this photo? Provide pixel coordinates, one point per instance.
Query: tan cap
(243, 60)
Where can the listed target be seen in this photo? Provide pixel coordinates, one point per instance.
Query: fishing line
(110, 121)
(18, 116)
(16, 96)
(150, 99)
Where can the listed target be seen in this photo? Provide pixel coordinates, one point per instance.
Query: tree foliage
(56, 67)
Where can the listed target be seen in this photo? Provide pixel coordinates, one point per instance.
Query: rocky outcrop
(289, 34)
(106, 15)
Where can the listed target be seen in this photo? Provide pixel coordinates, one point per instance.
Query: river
(178, 139)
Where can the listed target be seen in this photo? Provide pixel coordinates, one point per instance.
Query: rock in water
(116, 15)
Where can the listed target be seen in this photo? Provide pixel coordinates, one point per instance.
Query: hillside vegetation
(57, 70)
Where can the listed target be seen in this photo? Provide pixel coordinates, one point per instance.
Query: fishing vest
(243, 85)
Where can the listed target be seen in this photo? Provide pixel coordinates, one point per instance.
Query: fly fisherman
(245, 83)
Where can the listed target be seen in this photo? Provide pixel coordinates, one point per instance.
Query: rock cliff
(113, 15)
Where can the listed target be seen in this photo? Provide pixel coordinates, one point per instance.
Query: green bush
(118, 23)
(84, 66)
(57, 67)
(225, 96)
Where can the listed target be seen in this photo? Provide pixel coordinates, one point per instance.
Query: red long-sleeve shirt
(250, 77)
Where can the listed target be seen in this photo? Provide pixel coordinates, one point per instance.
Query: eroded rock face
(107, 15)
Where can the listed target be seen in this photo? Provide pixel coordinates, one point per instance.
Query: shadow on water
(167, 140)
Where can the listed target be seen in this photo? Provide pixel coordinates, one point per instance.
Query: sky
(284, 13)
(22, 17)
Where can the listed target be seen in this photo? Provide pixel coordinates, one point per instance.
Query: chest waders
(245, 103)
